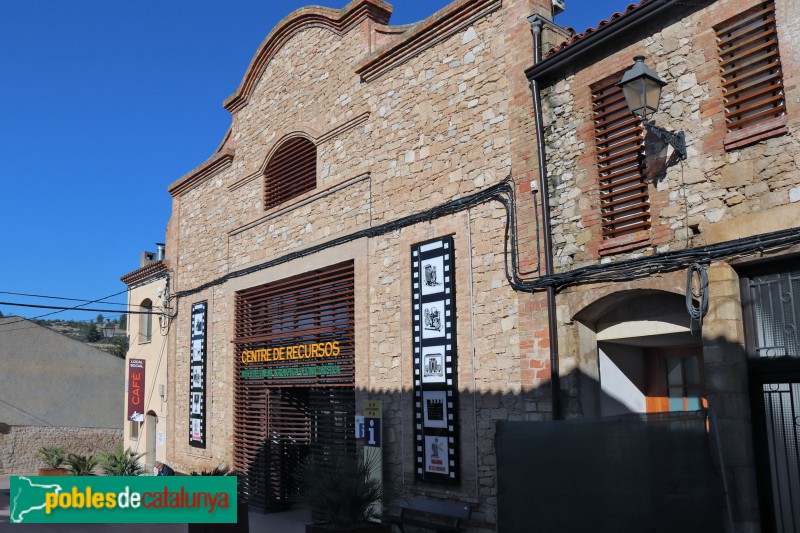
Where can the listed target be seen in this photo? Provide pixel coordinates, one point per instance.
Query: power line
(58, 298)
(75, 308)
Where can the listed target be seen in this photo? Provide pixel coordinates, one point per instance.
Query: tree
(92, 335)
(123, 322)
(99, 319)
(1, 314)
(119, 346)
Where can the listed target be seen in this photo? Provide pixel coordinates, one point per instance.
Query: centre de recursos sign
(295, 353)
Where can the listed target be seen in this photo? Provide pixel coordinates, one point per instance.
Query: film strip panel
(197, 377)
(436, 442)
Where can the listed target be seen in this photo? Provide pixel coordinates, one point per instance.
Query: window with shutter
(619, 139)
(752, 78)
(291, 171)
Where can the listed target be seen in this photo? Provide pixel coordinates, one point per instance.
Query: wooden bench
(435, 515)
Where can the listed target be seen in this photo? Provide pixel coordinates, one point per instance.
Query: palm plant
(122, 462)
(340, 491)
(81, 465)
(51, 456)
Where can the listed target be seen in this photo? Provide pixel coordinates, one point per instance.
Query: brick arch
(339, 21)
(611, 300)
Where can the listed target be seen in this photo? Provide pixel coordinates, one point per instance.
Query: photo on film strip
(434, 408)
(431, 275)
(433, 320)
(437, 455)
(433, 364)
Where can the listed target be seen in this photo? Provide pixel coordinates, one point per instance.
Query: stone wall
(18, 444)
(452, 119)
(715, 185)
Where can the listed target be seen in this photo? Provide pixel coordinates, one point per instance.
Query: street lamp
(108, 330)
(642, 90)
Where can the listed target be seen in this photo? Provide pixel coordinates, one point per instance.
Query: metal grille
(619, 138)
(291, 171)
(775, 314)
(281, 419)
(750, 66)
(782, 413)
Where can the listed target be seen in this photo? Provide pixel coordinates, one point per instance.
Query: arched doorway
(649, 355)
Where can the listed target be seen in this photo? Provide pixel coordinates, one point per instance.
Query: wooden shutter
(619, 138)
(280, 421)
(291, 172)
(750, 66)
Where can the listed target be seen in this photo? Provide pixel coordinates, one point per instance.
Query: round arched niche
(626, 334)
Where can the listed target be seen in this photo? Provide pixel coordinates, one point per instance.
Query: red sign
(136, 390)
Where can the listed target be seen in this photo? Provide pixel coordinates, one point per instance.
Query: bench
(426, 513)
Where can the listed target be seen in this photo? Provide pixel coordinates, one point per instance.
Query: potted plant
(81, 465)
(122, 462)
(242, 524)
(341, 495)
(52, 457)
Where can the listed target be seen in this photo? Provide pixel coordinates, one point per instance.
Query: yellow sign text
(296, 352)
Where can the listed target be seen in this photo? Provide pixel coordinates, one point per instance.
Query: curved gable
(339, 21)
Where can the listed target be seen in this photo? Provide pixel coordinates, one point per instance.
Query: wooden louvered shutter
(278, 421)
(750, 66)
(291, 171)
(619, 138)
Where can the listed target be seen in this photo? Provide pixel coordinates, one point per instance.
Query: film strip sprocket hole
(436, 444)
(197, 377)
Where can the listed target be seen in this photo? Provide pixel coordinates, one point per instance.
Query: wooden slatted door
(295, 379)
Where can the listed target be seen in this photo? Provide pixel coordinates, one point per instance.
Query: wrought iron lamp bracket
(676, 140)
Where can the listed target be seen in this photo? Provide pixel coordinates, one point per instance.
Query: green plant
(339, 491)
(122, 462)
(217, 471)
(81, 465)
(51, 456)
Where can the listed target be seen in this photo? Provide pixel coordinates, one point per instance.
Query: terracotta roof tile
(150, 269)
(605, 22)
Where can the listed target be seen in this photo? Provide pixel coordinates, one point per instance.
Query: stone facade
(405, 120)
(723, 191)
(18, 444)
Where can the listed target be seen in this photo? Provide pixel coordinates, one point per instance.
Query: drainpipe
(555, 381)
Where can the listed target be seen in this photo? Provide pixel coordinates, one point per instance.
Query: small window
(291, 171)
(619, 139)
(752, 77)
(146, 321)
(134, 430)
(676, 380)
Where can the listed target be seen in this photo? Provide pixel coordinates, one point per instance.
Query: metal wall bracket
(676, 140)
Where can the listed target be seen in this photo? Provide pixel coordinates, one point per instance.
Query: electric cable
(35, 306)
(76, 308)
(696, 312)
(57, 298)
(503, 192)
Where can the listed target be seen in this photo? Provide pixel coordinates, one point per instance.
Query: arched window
(291, 171)
(146, 321)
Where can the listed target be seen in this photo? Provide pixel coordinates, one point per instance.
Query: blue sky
(103, 104)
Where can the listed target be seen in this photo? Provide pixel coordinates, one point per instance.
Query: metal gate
(771, 300)
(782, 427)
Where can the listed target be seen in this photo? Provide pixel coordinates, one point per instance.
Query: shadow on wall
(579, 475)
